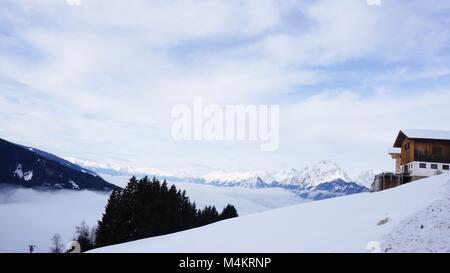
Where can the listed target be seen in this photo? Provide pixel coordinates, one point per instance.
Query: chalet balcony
(394, 151)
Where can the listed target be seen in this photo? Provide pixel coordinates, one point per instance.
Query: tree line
(147, 208)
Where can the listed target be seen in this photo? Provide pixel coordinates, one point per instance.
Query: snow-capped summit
(324, 171)
(322, 180)
(367, 177)
(247, 179)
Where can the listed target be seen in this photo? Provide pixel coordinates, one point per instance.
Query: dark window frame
(434, 166)
(407, 146)
(446, 167)
(422, 165)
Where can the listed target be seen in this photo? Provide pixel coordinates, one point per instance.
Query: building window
(434, 166)
(423, 165)
(406, 146)
(445, 167)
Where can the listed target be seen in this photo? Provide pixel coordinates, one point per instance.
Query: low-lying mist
(30, 216)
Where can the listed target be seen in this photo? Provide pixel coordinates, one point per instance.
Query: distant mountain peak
(114, 169)
(323, 171)
(367, 177)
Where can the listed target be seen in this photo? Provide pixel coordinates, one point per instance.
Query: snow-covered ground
(33, 217)
(426, 231)
(347, 224)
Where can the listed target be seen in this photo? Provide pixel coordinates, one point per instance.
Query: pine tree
(228, 212)
(109, 229)
(147, 208)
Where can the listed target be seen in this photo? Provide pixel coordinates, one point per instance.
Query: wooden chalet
(417, 154)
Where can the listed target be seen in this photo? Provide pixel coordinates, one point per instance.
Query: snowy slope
(345, 224)
(426, 231)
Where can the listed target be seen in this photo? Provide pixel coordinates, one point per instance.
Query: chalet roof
(421, 134)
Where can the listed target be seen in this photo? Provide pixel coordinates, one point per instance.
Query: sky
(97, 80)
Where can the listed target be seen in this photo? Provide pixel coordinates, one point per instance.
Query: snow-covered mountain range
(324, 171)
(322, 180)
(117, 170)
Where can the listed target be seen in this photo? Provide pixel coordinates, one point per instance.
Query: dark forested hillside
(31, 168)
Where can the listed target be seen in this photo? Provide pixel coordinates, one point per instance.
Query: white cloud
(358, 129)
(98, 80)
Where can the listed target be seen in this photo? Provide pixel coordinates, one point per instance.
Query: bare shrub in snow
(383, 221)
(57, 246)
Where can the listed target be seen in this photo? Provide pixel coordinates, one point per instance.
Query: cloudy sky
(97, 81)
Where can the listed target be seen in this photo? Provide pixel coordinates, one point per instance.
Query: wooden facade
(426, 150)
